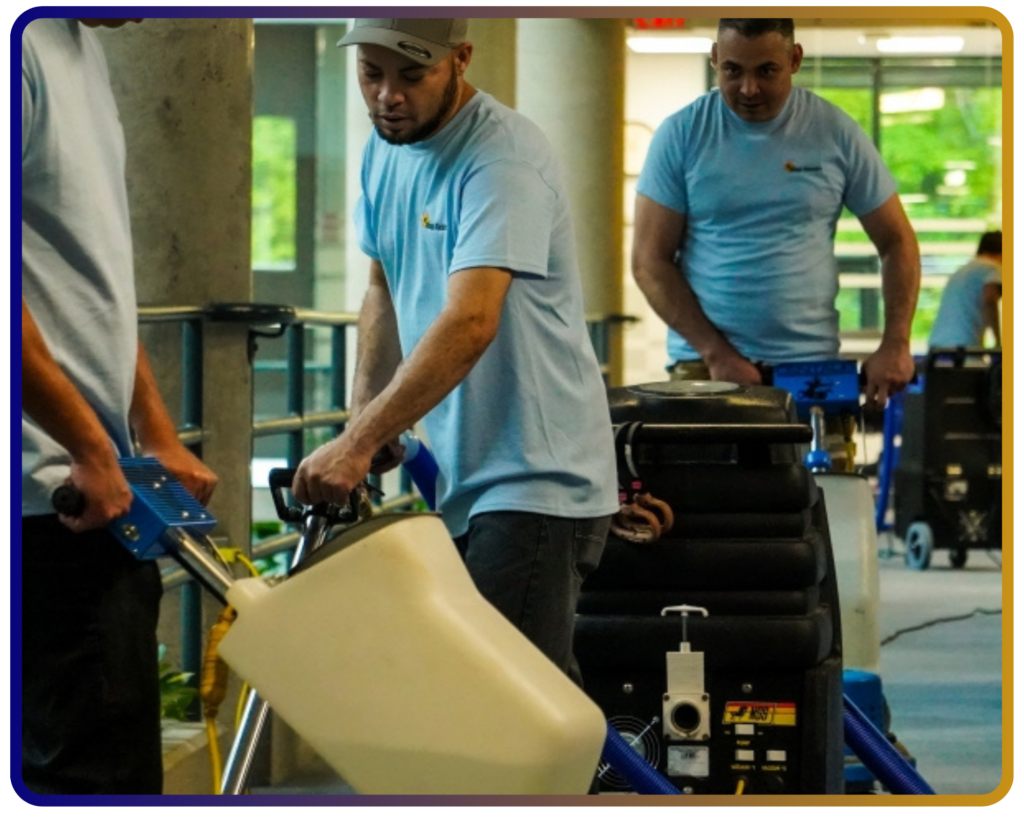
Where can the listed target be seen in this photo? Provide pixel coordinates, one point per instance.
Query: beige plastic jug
(851, 523)
(383, 656)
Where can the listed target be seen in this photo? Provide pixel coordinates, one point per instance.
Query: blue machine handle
(422, 468)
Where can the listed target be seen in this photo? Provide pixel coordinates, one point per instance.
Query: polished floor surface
(942, 667)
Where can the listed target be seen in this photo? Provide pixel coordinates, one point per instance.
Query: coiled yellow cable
(213, 688)
(214, 677)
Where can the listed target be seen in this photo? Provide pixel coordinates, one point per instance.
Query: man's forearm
(53, 402)
(442, 359)
(148, 414)
(893, 237)
(158, 434)
(378, 351)
(672, 298)
(901, 281)
(991, 317)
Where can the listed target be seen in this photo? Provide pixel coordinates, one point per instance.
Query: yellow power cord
(214, 676)
(740, 785)
(849, 431)
(213, 688)
(243, 695)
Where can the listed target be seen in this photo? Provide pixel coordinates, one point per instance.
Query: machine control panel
(832, 385)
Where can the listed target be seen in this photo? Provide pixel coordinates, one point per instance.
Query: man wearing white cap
(473, 323)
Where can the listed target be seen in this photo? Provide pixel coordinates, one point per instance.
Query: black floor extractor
(949, 481)
(714, 648)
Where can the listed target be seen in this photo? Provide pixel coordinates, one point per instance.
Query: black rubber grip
(68, 501)
(281, 481)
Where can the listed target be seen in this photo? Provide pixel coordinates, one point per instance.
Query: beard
(448, 100)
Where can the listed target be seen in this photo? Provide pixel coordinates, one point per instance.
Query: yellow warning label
(760, 713)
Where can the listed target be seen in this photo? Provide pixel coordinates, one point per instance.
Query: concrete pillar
(184, 92)
(493, 68)
(331, 172)
(571, 82)
(357, 130)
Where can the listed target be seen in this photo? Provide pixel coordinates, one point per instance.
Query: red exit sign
(659, 22)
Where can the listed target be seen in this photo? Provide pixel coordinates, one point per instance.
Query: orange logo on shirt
(792, 167)
(425, 221)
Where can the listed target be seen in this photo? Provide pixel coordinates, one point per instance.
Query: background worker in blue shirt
(970, 300)
(736, 213)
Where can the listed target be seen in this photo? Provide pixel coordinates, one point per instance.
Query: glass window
(274, 150)
(938, 126)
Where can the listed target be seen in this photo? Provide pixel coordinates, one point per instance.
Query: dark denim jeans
(531, 567)
(90, 688)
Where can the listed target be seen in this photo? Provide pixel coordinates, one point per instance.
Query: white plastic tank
(851, 522)
(383, 656)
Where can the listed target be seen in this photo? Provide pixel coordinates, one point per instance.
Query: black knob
(67, 500)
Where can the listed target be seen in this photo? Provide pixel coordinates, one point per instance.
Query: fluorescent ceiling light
(920, 45)
(669, 45)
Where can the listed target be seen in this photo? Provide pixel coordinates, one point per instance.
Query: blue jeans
(90, 690)
(531, 567)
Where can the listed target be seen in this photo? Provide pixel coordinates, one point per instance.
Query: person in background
(90, 700)
(970, 300)
(736, 213)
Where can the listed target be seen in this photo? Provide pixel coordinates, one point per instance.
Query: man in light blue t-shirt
(970, 300)
(736, 214)
(474, 324)
(90, 699)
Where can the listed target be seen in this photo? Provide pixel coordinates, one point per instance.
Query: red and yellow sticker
(760, 713)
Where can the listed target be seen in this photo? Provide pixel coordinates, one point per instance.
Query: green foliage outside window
(946, 158)
(274, 197)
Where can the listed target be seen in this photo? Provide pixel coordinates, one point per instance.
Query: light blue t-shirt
(960, 321)
(529, 428)
(76, 249)
(762, 200)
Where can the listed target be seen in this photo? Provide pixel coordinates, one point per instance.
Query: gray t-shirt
(76, 250)
(529, 428)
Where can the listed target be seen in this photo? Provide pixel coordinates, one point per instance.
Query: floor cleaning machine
(410, 683)
(722, 518)
(714, 645)
(947, 470)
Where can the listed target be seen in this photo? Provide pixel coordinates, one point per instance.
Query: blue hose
(878, 754)
(632, 767)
